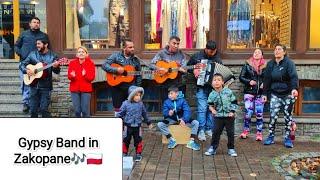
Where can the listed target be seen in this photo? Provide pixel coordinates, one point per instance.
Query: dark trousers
(39, 98)
(119, 94)
(220, 123)
(81, 103)
(128, 132)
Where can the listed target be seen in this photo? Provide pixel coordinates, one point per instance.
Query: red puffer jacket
(81, 83)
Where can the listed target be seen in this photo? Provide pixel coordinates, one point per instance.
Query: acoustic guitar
(127, 76)
(173, 68)
(38, 70)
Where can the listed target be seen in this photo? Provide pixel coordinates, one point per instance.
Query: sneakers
(138, 158)
(25, 108)
(288, 142)
(292, 131)
(202, 135)
(209, 133)
(211, 151)
(193, 145)
(259, 136)
(172, 143)
(269, 140)
(244, 134)
(232, 153)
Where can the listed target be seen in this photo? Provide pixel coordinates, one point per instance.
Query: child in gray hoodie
(132, 111)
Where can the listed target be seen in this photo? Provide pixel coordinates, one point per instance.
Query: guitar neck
(139, 72)
(184, 67)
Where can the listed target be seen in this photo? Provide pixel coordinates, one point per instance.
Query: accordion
(205, 76)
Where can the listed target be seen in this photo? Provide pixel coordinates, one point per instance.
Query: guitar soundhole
(170, 70)
(35, 71)
(125, 73)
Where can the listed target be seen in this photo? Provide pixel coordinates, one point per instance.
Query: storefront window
(96, 24)
(311, 100)
(314, 24)
(258, 23)
(27, 10)
(187, 19)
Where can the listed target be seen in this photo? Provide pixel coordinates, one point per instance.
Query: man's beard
(42, 49)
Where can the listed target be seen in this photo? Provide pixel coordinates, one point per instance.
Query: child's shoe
(292, 132)
(193, 145)
(269, 140)
(288, 143)
(172, 143)
(211, 151)
(232, 153)
(138, 157)
(202, 135)
(209, 133)
(244, 134)
(259, 136)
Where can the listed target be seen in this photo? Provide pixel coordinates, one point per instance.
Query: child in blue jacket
(132, 111)
(177, 111)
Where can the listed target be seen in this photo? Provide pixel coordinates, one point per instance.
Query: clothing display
(179, 18)
(203, 22)
(118, 22)
(239, 23)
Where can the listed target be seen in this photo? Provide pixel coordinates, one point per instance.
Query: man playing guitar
(40, 89)
(171, 53)
(125, 57)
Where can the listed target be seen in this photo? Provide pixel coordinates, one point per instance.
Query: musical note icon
(77, 158)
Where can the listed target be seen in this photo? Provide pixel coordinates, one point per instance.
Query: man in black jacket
(40, 89)
(204, 116)
(25, 44)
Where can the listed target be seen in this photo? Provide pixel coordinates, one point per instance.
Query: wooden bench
(180, 133)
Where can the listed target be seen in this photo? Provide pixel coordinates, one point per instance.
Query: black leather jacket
(47, 58)
(247, 74)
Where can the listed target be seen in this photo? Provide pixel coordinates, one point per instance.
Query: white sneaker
(209, 133)
(202, 135)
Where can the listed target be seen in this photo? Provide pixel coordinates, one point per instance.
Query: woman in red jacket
(81, 72)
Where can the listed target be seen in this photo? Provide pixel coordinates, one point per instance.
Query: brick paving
(253, 161)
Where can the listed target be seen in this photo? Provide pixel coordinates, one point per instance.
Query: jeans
(163, 126)
(204, 116)
(39, 97)
(25, 89)
(81, 103)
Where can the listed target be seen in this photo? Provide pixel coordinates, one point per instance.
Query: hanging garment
(153, 32)
(119, 22)
(203, 22)
(239, 23)
(173, 20)
(189, 29)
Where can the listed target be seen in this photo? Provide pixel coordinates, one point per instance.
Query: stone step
(9, 76)
(11, 107)
(14, 71)
(10, 85)
(12, 100)
(9, 65)
(13, 114)
(16, 91)
(9, 61)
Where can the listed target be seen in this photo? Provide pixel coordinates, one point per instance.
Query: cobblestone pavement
(253, 161)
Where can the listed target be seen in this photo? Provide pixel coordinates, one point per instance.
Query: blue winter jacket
(180, 107)
(132, 113)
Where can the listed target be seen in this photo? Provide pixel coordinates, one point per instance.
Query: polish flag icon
(93, 158)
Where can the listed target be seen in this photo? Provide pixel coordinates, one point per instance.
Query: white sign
(61, 148)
